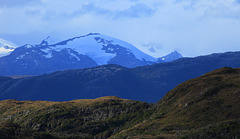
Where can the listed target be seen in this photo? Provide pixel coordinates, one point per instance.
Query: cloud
(195, 27)
(153, 45)
(91, 8)
(17, 3)
(152, 48)
(136, 11)
(128, 9)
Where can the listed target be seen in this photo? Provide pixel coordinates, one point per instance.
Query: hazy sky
(192, 27)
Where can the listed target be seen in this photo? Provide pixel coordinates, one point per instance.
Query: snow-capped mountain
(170, 57)
(6, 47)
(102, 49)
(80, 52)
(86, 51)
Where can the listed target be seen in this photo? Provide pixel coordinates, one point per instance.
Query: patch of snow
(73, 55)
(87, 46)
(48, 52)
(21, 56)
(4, 51)
(35, 62)
(90, 46)
(6, 47)
(139, 54)
(7, 43)
(28, 46)
(110, 49)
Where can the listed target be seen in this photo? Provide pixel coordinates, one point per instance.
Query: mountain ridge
(146, 83)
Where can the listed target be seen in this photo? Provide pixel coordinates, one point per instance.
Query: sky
(157, 27)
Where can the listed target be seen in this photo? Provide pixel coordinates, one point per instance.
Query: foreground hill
(147, 83)
(205, 107)
(96, 118)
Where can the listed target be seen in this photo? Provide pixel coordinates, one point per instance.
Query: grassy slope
(90, 118)
(205, 107)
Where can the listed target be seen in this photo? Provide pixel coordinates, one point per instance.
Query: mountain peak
(104, 49)
(48, 41)
(93, 34)
(170, 57)
(175, 52)
(45, 41)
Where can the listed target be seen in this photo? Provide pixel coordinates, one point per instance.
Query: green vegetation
(93, 118)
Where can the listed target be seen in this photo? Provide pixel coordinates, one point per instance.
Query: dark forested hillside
(147, 83)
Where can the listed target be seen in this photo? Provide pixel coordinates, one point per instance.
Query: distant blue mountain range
(147, 83)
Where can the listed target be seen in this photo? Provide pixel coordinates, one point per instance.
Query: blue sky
(192, 27)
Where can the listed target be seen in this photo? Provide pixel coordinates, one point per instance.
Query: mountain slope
(168, 75)
(79, 52)
(147, 83)
(94, 82)
(6, 47)
(97, 118)
(205, 107)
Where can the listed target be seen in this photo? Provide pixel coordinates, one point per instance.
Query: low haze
(158, 27)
